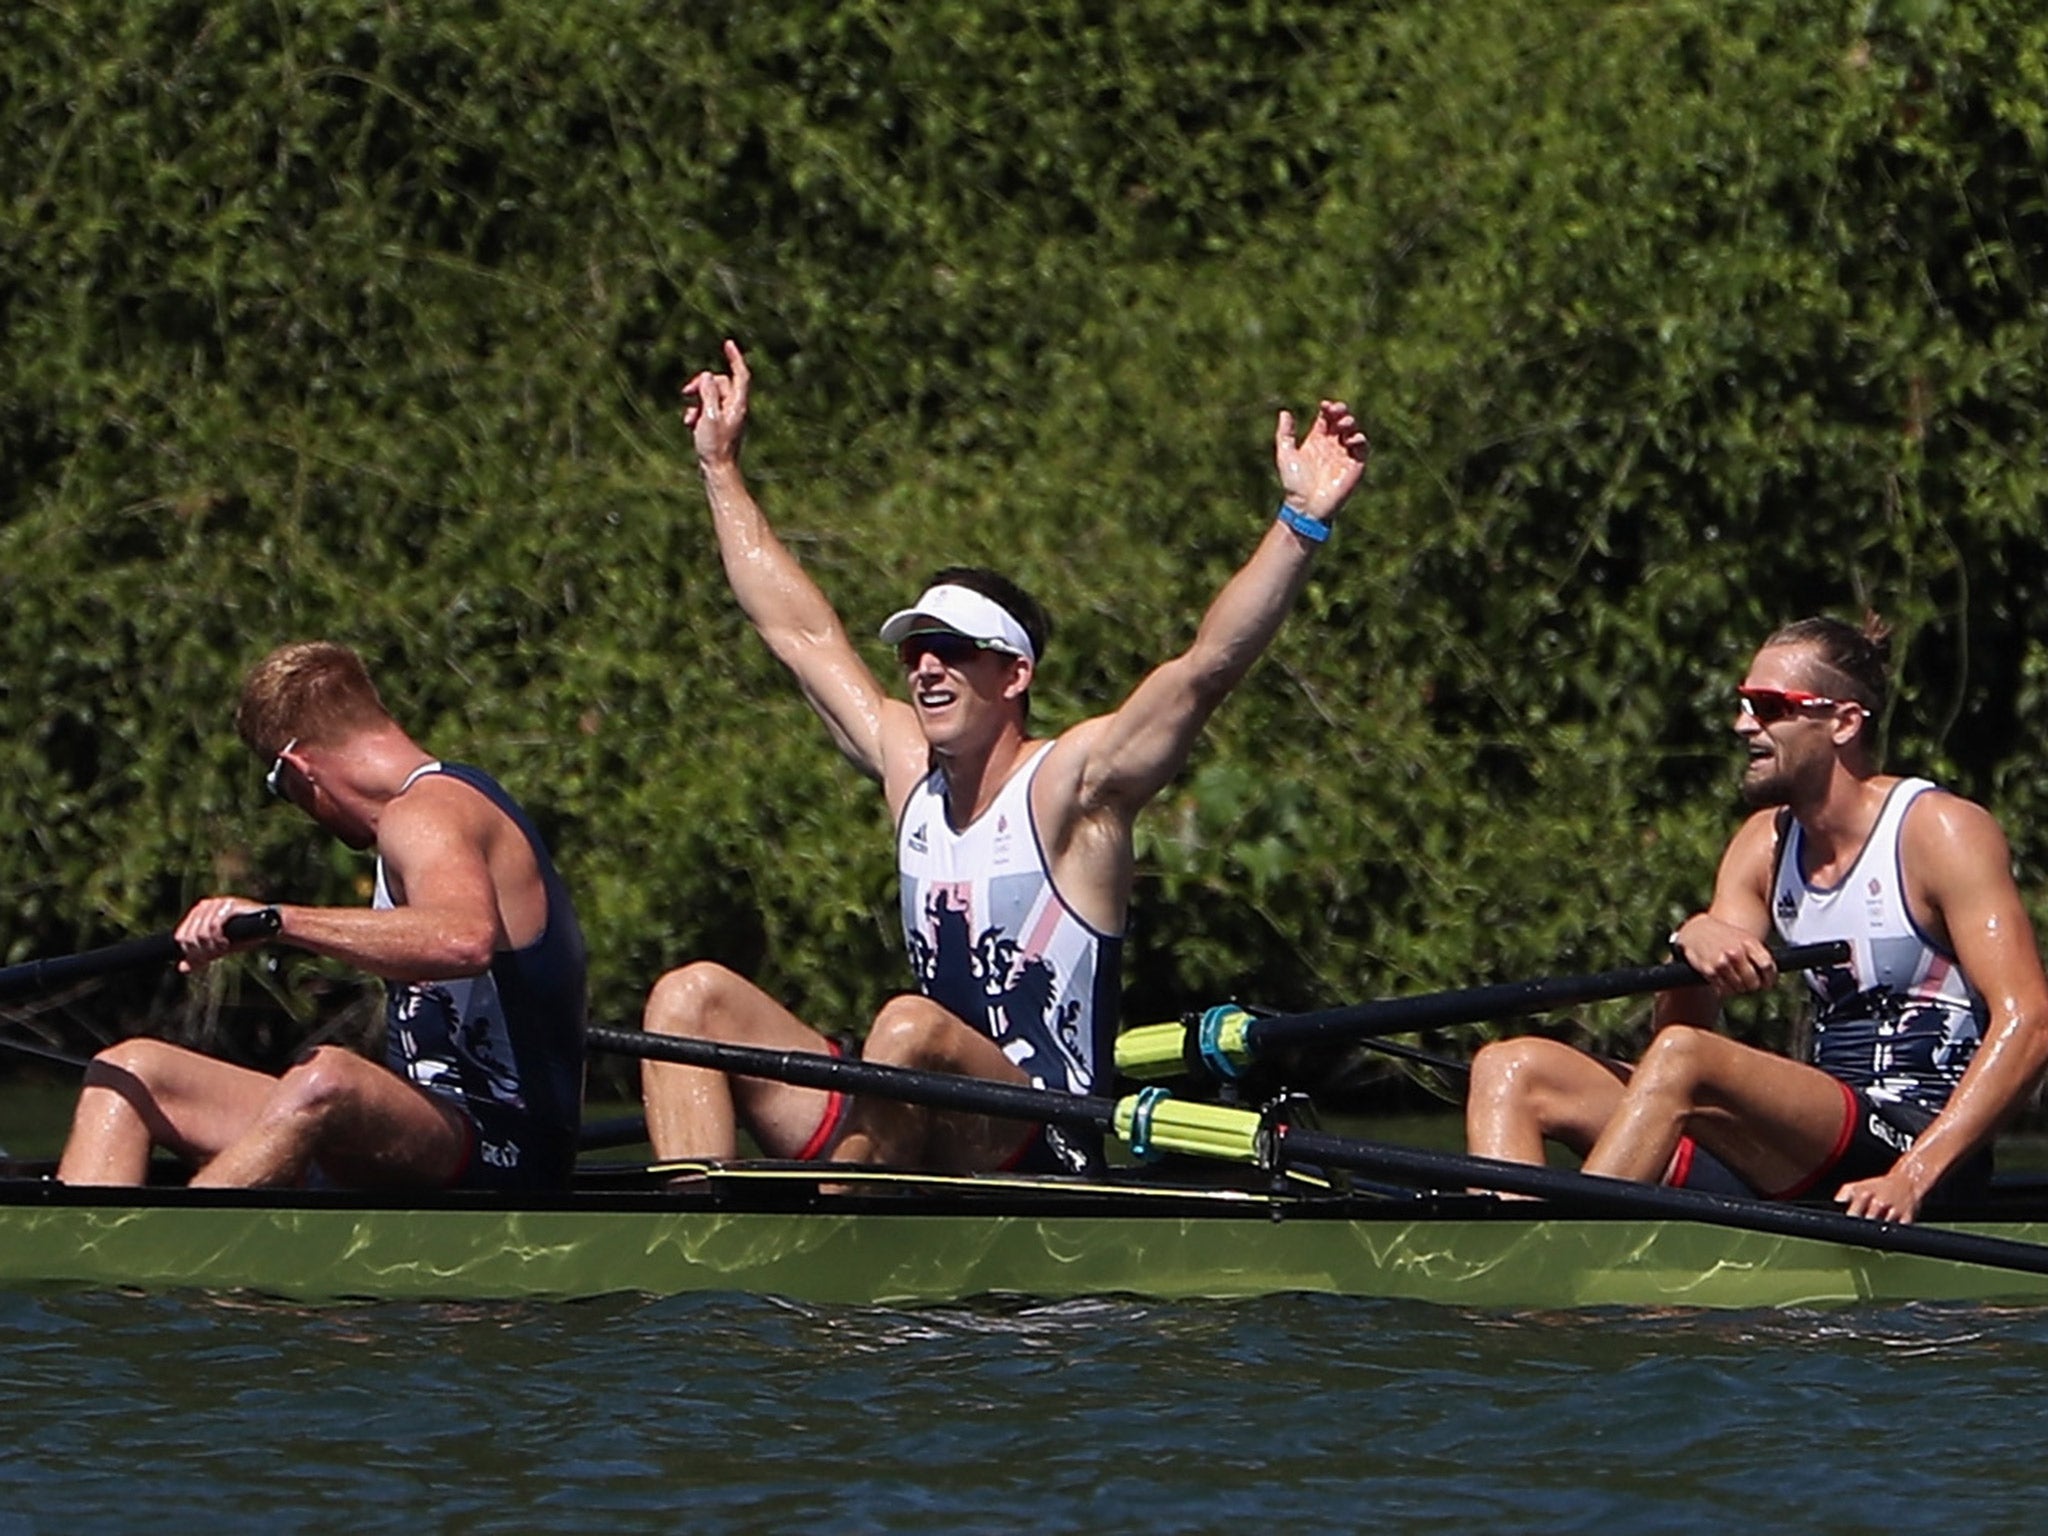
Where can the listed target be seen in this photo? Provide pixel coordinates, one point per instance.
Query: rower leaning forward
(1014, 852)
(1933, 1034)
(472, 930)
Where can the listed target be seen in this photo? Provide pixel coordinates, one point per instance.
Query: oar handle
(130, 954)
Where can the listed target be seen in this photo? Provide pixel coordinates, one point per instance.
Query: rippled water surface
(729, 1413)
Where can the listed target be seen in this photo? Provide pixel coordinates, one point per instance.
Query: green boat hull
(934, 1247)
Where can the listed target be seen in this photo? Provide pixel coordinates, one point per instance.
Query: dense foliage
(1670, 321)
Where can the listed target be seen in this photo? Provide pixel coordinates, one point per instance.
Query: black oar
(43, 1053)
(1151, 1120)
(131, 954)
(618, 1131)
(1228, 1038)
(806, 1069)
(1624, 1197)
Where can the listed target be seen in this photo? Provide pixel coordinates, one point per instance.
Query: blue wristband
(1315, 532)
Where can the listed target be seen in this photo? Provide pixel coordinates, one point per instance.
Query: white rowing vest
(991, 941)
(1900, 1020)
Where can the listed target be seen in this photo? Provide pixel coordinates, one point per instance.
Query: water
(740, 1414)
(731, 1413)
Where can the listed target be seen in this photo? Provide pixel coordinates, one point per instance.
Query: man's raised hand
(715, 408)
(1320, 472)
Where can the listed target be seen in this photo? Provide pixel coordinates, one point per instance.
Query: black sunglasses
(951, 649)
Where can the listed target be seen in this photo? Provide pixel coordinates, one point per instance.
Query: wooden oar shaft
(1625, 1198)
(807, 1069)
(130, 954)
(1503, 1000)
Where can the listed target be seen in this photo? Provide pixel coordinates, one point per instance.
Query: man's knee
(909, 1031)
(690, 999)
(1523, 1070)
(1496, 1068)
(325, 1080)
(1676, 1062)
(138, 1070)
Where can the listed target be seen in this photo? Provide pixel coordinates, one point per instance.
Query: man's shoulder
(449, 804)
(1761, 831)
(1942, 816)
(1062, 770)
(448, 785)
(1951, 846)
(1059, 761)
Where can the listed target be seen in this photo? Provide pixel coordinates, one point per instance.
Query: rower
(1932, 1035)
(1014, 853)
(472, 930)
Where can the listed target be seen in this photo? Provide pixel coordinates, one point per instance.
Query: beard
(1766, 784)
(1785, 777)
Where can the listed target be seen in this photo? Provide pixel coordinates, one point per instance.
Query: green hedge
(1670, 321)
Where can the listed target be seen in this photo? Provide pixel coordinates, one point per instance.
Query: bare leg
(365, 1125)
(1773, 1120)
(916, 1032)
(697, 1111)
(1527, 1091)
(142, 1094)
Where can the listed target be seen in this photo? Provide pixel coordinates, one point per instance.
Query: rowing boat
(1267, 1205)
(900, 1239)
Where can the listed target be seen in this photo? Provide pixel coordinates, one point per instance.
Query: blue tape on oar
(1209, 1042)
(1140, 1139)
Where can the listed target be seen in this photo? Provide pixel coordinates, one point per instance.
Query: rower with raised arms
(1014, 853)
(1931, 1036)
(472, 930)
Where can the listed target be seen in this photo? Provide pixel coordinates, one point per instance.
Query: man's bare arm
(1964, 870)
(449, 925)
(1727, 943)
(1132, 753)
(781, 601)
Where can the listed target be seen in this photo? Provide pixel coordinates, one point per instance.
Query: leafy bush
(1670, 322)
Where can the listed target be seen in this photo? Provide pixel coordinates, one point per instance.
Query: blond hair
(311, 691)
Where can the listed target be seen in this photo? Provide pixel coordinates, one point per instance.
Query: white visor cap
(965, 612)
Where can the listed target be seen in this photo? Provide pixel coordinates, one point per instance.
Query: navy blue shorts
(1874, 1135)
(1055, 1149)
(507, 1150)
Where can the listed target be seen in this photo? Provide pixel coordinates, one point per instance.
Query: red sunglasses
(1767, 706)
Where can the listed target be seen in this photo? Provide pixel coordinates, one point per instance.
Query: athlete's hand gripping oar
(1152, 1120)
(131, 954)
(1228, 1038)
